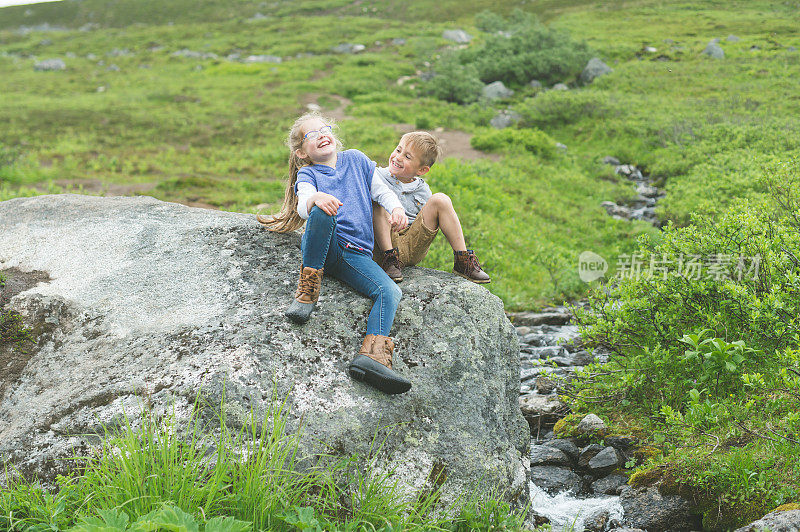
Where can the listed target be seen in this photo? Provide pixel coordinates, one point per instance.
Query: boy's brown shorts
(412, 242)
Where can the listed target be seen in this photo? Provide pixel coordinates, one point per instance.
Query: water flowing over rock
(154, 298)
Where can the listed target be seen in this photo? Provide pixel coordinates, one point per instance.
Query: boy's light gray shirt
(413, 196)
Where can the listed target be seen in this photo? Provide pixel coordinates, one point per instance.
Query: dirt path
(454, 143)
(338, 113)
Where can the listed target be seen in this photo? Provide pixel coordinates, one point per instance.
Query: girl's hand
(399, 219)
(329, 204)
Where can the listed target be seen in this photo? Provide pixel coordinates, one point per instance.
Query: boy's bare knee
(441, 201)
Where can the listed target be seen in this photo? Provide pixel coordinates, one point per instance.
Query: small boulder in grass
(591, 424)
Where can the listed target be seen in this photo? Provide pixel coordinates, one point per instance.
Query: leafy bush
(453, 81)
(704, 346)
(560, 108)
(525, 49)
(532, 140)
(519, 49)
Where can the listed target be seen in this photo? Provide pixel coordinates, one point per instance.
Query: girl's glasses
(314, 135)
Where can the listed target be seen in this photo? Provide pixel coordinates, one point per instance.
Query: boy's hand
(399, 219)
(328, 203)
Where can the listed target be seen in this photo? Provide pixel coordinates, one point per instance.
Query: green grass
(211, 132)
(172, 473)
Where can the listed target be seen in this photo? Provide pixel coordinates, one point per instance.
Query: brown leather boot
(392, 265)
(373, 365)
(466, 264)
(306, 295)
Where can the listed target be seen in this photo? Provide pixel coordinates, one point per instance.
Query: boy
(426, 212)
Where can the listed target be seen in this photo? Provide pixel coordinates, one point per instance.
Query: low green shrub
(454, 81)
(561, 108)
(531, 140)
(520, 48)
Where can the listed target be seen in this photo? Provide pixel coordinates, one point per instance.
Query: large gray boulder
(143, 297)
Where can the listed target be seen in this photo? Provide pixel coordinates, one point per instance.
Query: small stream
(569, 488)
(562, 491)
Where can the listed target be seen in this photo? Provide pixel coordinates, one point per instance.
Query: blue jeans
(321, 248)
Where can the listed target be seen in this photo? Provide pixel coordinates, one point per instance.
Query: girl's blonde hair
(288, 219)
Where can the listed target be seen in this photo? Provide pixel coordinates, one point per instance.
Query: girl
(332, 191)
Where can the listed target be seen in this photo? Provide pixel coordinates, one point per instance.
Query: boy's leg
(316, 242)
(373, 364)
(385, 254)
(439, 212)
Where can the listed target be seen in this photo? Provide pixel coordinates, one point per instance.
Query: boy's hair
(426, 146)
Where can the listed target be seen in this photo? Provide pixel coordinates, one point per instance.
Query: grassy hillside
(134, 113)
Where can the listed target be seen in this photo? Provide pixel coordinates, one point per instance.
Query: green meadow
(157, 99)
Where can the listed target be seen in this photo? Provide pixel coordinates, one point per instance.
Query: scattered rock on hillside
(457, 36)
(535, 83)
(791, 49)
(778, 521)
(44, 27)
(166, 301)
(348, 48)
(733, 38)
(496, 90)
(608, 159)
(262, 59)
(714, 51)
(559, 87)
(192, 54)
(50, 65)
(594, 68)
(505, 118)
(561, 146)
(398, 41)
(119, 52)
(647, 508)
